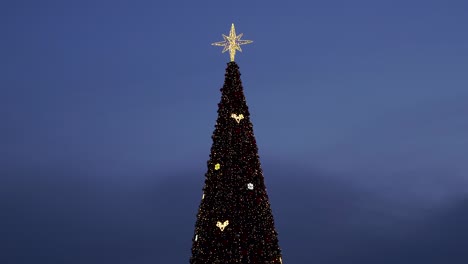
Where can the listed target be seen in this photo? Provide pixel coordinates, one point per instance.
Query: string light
(251, 236)
(222, 225)
(238, 118)
(232, 42)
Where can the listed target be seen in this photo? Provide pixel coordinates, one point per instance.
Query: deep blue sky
(359, 109)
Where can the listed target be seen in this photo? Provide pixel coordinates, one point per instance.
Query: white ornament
(196, 237)
(250, 186)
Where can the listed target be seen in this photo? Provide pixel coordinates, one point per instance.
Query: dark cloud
(54, 216)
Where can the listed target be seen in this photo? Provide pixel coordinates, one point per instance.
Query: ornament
(281, 260)
(232, 42)
(203, 196)
(238, 118)
(196, 237)
(222, 225)
(250, 186)
(217, 166)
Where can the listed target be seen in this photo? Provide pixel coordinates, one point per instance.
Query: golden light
(232, 42)
(222, 225)
(238, 118)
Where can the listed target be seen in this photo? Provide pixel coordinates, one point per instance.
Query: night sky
(359, 110)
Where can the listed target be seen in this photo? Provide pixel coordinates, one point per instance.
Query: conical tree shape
(234, 222)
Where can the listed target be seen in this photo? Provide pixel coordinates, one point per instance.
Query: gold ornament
(217, 166)
(281, 260)
(238, 118)
(232, 42)
(222, 225)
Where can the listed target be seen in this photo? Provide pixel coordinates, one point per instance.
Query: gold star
(232, 42)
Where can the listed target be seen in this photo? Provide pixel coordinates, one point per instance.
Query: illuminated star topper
(232, 42)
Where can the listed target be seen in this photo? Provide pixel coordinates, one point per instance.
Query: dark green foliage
(250, 235)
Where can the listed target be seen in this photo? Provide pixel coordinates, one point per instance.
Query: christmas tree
(234, 222)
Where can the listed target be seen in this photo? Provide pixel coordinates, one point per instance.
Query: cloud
(54, 216)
